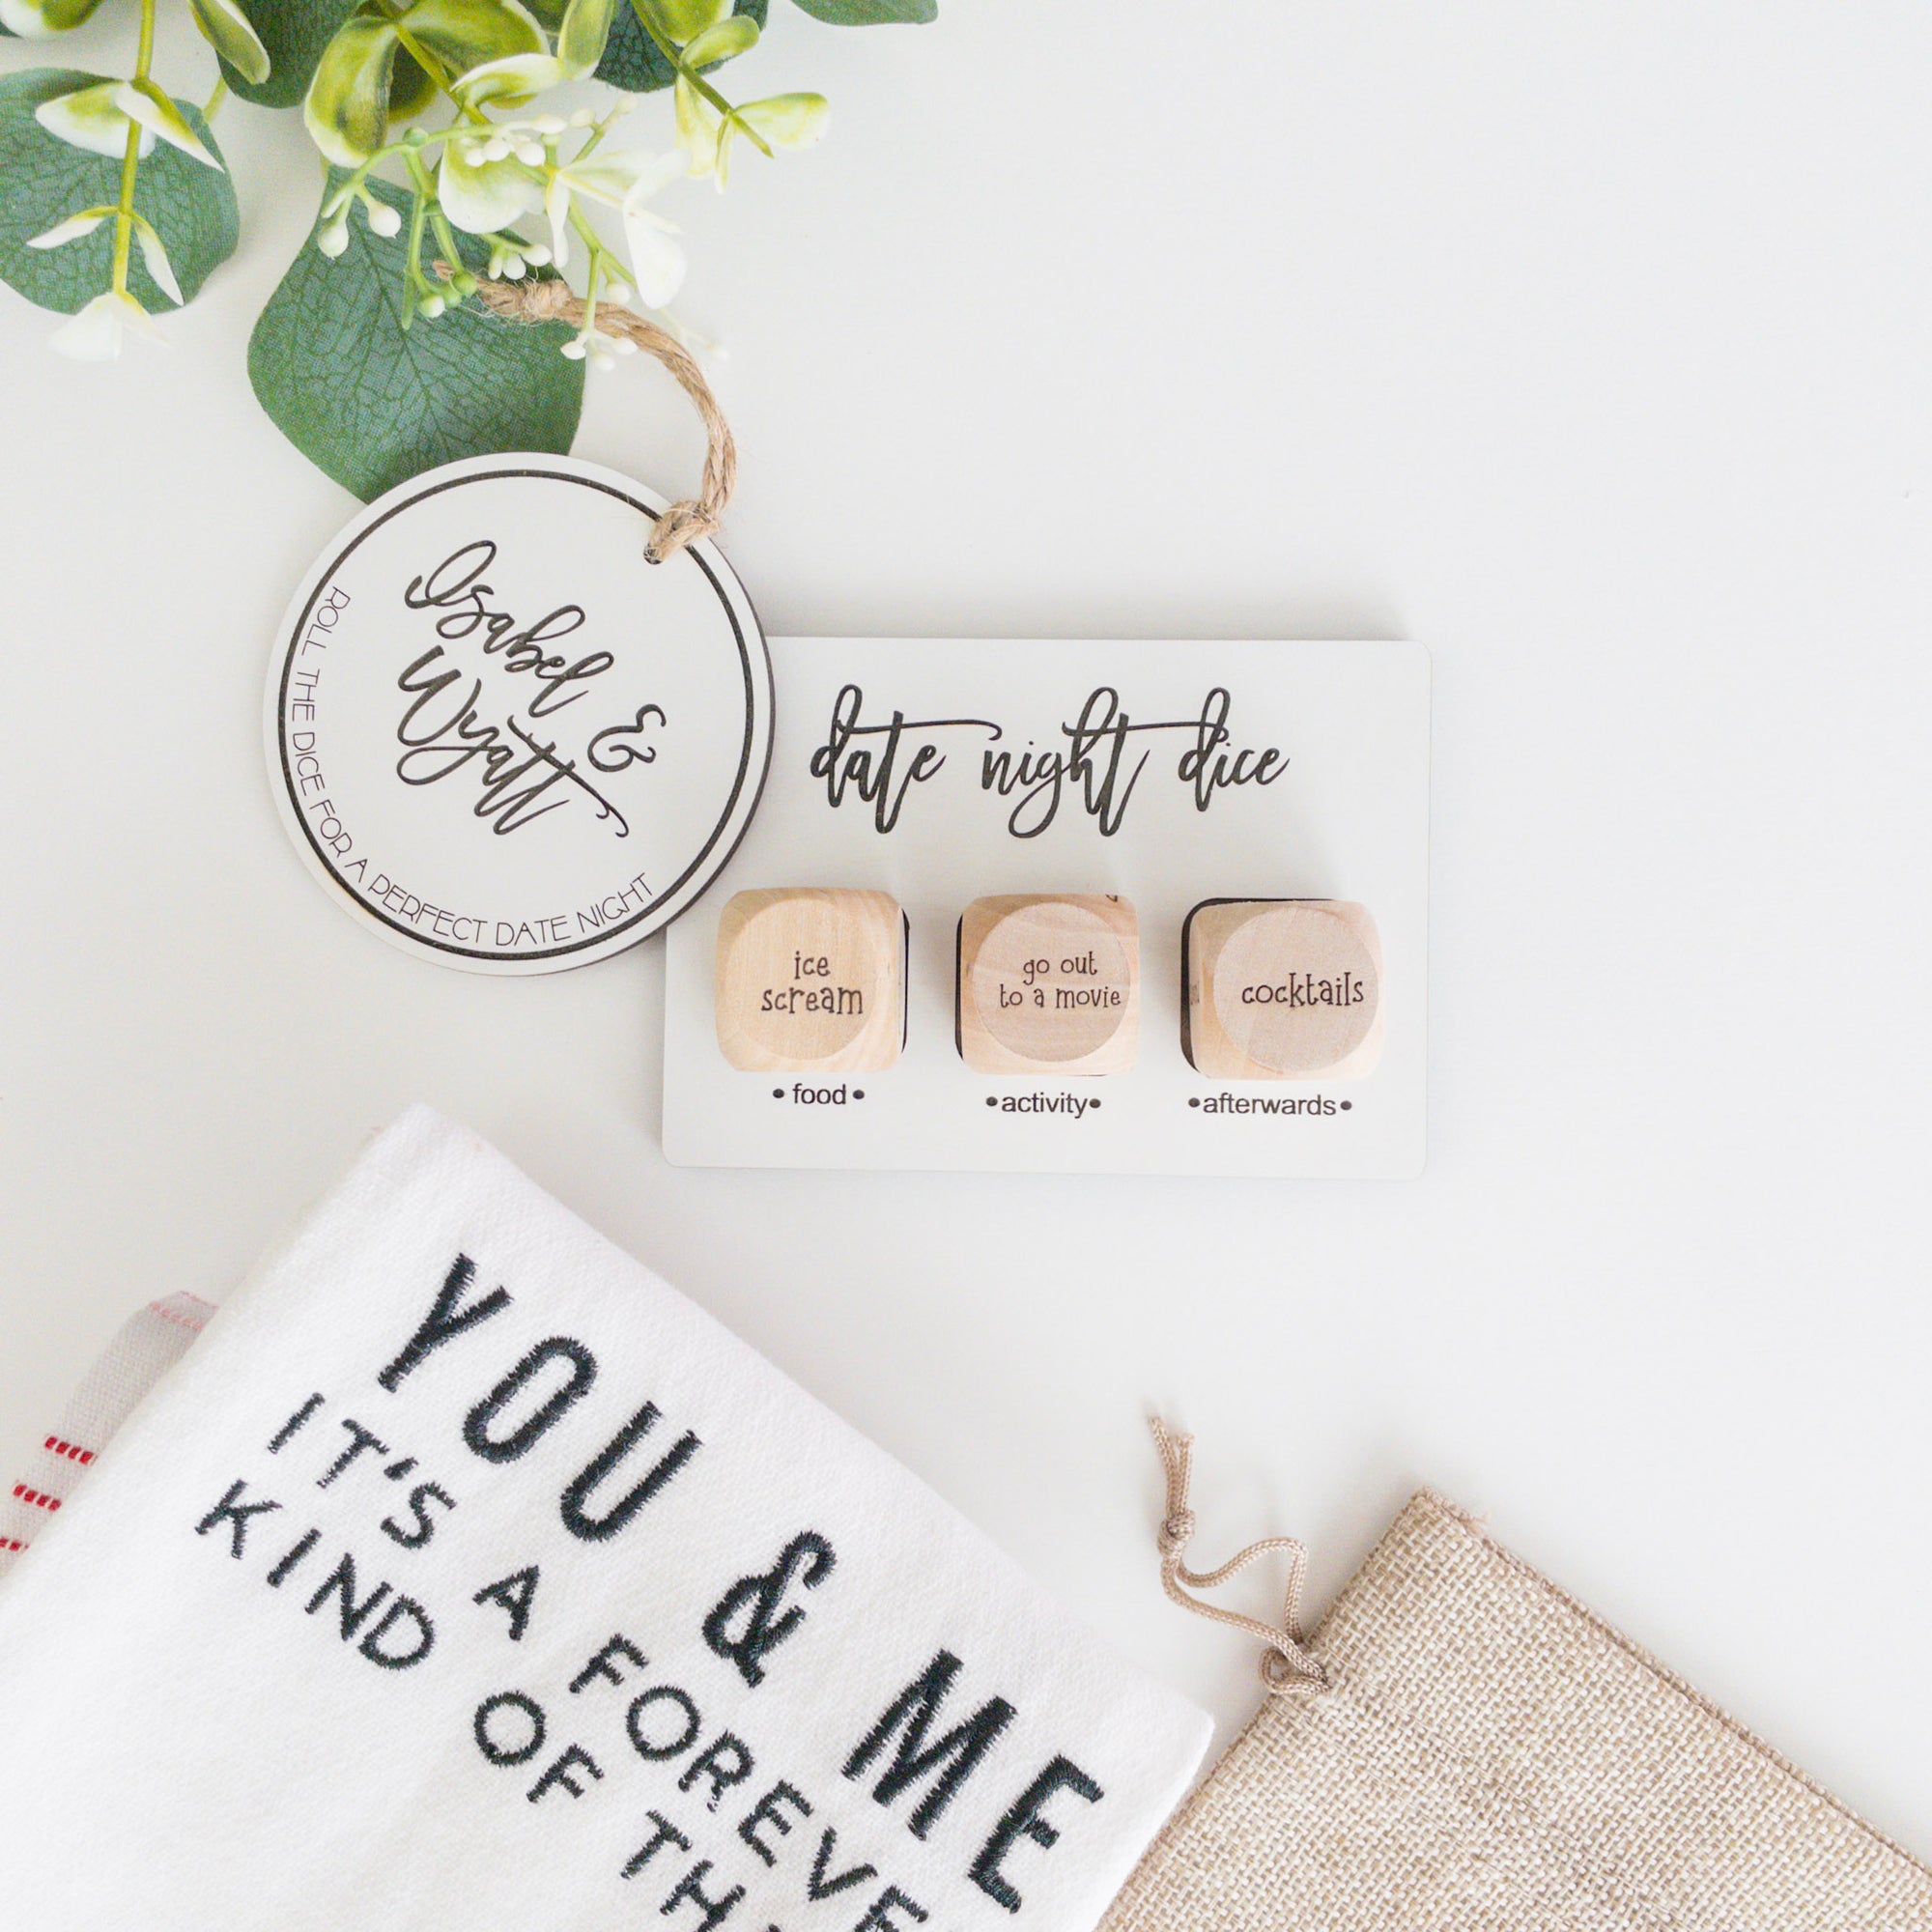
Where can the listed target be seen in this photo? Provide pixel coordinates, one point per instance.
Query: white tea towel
(465, 1575)
(144, 1348)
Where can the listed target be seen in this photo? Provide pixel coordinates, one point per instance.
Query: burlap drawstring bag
(1460, 1746)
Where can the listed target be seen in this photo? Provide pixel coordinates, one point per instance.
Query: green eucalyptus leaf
(513, 81)
(373, 403)
(155, 258)
(293, 34)
(735, 34)
(631, 59)
(873, 12)
(229, 32)
(586, 32)
(34, 19)
(159, 112)
(83, 222)
(347, 107)
(786, 119)
(458, 35)
(93, 118)
(410, 89)
(682, 20)
(44, 182)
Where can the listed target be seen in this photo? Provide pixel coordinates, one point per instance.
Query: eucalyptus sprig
(447, 163)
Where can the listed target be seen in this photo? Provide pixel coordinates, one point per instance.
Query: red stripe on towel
(175, 1315)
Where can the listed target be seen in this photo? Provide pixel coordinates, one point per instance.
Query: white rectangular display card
(1249, 818)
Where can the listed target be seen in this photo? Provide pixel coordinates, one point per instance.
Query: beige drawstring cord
(1286, 1665)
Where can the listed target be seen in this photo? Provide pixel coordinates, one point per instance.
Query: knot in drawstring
(1286, 1663)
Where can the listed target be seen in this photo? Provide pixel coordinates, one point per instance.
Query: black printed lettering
(1025, 1821)
(294, 1422)
(513, 1594)
(810, 1559)
(424, 1527)
(879, 1913)
(638, 1722)
(359, 1439)
(487, 1730)
(770, 1810)
(724, 1762)
(663, 1833)
(949, 1761)
(236, 1514)
(406, 1650)
(596, 1530)
(341, 1584)
(284, 1569)
(558, 1772)
(824, 1882)
(446, 1320)
(601, 1665)
(691, 1890)
(523, 1436)
(875, 772)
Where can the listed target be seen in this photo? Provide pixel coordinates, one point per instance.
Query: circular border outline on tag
(754, 763)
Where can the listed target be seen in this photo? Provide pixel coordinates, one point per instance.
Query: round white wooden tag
(503, 738)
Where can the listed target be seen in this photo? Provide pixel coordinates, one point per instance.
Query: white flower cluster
(497, 167)
(459, 196)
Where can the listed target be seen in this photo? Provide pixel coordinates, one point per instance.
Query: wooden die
(811, 980)
(1281, 990)
(1049, 985)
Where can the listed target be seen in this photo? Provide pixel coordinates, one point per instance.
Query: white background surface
(1590, 345)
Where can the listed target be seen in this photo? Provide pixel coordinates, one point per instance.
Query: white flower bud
(618, 292)
(430, 307)
(385, 221)
(512, 269)
(333, 237)
(600, 360)
(530, 153)
(549, 124)
(497, 149)
(536, 255)
(575, 349)
(585, 117)
(622, 345)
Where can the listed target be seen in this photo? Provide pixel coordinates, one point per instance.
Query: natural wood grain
(1282, 989)
(1049, 984)
(811, 980)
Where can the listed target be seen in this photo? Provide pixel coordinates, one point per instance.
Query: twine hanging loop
(551, 298)
(1286, 1663)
